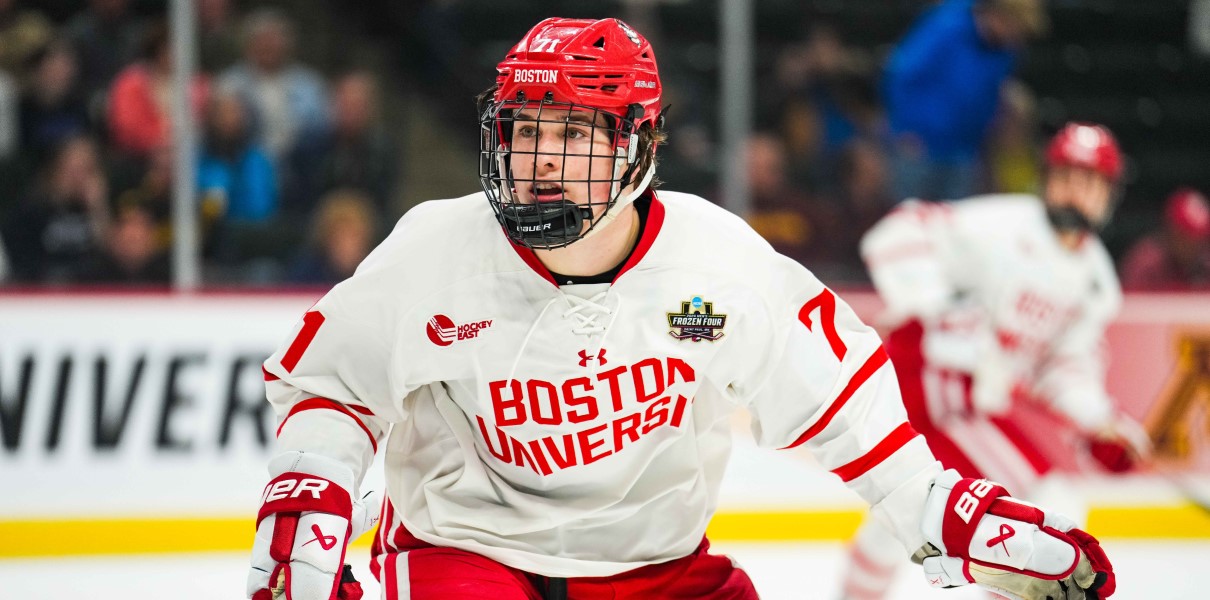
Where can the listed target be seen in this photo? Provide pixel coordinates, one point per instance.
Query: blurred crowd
(295, 175)
(844, 135)
(298, 175)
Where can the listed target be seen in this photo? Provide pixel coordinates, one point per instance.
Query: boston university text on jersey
(583, 400)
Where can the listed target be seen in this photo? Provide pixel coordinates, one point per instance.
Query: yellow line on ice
(783, 526)
(81, 537)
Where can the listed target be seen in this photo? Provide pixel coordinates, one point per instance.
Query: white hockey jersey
(1000, 297)
(583, 430)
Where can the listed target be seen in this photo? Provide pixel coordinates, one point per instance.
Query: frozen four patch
(696, 321)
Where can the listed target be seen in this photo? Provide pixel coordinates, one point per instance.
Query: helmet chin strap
(612, 212)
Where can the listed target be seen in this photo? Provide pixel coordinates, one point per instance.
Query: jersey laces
(584, 311)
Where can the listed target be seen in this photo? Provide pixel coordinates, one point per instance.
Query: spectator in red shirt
(140, 104)
(1178, 255)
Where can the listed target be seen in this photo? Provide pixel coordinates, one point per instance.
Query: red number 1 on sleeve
(826, 303)
(311, 322)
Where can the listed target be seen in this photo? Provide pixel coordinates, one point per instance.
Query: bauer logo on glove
(304, 525)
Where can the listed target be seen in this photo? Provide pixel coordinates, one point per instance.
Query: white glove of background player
(306, 521)
(976, 533)
(992, 383)
(964, 341)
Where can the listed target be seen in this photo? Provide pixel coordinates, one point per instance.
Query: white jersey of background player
(556, 360)
(995, 298)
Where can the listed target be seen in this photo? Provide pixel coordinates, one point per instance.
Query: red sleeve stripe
(317, 403)
(888, 446)
(871, 366)
(312, 320)
(268, 376)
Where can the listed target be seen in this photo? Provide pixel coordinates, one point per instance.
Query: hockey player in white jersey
(552, 363)
(996, 298)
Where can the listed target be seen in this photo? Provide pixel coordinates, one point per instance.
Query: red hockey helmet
(1188, 211)
(598, 66)
(1086, 145)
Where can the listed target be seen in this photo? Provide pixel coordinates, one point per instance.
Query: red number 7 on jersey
(311, 322)
(826, 303)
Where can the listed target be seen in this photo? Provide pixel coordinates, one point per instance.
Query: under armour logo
(585, 357)
(935, 582)
(325, 541)
(1005, 533)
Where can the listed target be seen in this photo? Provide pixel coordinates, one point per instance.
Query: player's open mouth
(546, 191)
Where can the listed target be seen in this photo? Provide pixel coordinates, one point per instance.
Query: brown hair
(650, 139)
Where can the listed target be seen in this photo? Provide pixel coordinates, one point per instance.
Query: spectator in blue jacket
(237, 183)
(942, 87)
(233, 168)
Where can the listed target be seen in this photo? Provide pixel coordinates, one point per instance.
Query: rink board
(136, 423)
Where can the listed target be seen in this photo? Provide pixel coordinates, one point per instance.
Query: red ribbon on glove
(1006, 532)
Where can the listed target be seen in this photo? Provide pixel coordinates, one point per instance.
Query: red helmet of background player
(600, 66)
(1086, 145)
(1188, 212)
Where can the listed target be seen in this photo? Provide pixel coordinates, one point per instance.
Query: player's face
(1085, 190)
(564, 155)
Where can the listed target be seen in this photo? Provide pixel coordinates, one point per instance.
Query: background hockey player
(556, 359)
(996, 299)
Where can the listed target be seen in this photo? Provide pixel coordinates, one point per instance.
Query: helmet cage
(553, 224)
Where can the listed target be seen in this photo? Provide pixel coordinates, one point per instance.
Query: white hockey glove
(306, 521)
(976, 533)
